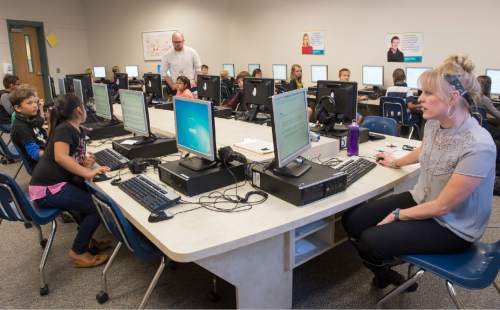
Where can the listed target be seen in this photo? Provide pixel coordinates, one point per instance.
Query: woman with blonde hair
(449, 207)
(296, 77)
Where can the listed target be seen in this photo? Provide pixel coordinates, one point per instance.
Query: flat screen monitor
(86, 85)
(290, 127)
(152, 85)
(209, 88)
(413, 74)
(194, 125)
(373, 75)
(62, 86)
(135, 112)
(229, 68)
(77, 88)
(279, 72)
(132, 71)
(102, 101)
(345, 96)
(319, 73)
(100, 72)
(257, 91)
(494, 75)
(121, 80)
(252, 67)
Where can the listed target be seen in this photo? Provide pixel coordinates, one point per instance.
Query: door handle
(39, 74)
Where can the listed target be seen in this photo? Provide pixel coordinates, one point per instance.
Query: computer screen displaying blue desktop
(373, 75)
(134, 110)
(194, 127)
(413, 74)
(229, 68)
(279, 72)
(494, 75)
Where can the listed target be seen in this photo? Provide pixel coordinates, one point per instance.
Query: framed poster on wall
(156, 43)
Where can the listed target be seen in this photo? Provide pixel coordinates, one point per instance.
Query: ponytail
(63, 110)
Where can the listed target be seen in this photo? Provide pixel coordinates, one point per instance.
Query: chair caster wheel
(213, 296)
(102, 297)
(43, 243)
(28, 225)
(44, 290)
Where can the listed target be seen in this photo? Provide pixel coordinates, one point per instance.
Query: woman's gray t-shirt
(468, 150)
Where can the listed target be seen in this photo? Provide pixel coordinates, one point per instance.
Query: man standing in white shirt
(180, 60)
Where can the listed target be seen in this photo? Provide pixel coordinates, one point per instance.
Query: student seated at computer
(257, 73)
(28, 133)
(484, 101)
(449, 207)
(204, 69)
(226, 86)
(58, 178)
(236, 102)
(10, 83)
(295, 77)
(184, 87)
(345, 75)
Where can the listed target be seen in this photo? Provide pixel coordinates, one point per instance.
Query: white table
(255, 250)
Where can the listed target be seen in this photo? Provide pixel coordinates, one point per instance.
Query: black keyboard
(148, 193)
(355, 168)
(111, 158)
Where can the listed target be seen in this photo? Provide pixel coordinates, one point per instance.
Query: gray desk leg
(260, 272)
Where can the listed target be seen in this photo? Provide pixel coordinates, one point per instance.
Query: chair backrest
(8, 150)
(25, 162)
(395, 108)
(396, 94)
(380, 124)
(13, 200)
(480, 114)
(120, 227)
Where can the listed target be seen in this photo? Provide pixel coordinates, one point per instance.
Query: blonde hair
(292, 74)
(459, 66)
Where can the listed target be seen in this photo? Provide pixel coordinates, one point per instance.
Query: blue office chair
(480, 114)
(15, 206)
(396, 108)
(8, 150)
(24, 163)
(383, 125)
(125, 233)
(476, 268)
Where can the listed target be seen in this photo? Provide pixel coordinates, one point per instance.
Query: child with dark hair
(27, 128)
(183, 87)
(58, 178)
(10, 83)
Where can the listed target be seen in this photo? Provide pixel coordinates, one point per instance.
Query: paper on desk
(128, 142)
(256, 146)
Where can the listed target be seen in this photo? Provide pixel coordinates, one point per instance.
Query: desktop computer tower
(103, 130)
(157, 148)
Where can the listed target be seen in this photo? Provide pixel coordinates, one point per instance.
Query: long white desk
(255, 250)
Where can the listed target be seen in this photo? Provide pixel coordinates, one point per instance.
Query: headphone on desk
(139, 165)
(227, 155)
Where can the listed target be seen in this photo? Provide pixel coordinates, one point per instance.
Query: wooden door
(26, 57)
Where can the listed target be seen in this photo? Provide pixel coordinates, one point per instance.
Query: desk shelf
(309, 247)
(311, 228)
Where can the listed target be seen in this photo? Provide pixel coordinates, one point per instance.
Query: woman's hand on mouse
(386, 160)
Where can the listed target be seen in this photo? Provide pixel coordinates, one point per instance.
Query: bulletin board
(156, 43)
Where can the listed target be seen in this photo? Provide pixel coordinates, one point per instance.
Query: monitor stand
(294, 169)
(197, 163)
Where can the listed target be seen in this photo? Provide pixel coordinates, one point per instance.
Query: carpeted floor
(336, 279)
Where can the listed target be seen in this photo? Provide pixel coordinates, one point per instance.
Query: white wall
(63, 17)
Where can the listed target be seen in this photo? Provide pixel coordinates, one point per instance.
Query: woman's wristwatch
(396, 214)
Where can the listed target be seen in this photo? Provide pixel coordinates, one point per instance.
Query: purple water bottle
(353, 139)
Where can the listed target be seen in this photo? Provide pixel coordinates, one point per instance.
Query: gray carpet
(336, 279)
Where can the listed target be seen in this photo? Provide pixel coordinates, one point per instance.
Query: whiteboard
(156, 43)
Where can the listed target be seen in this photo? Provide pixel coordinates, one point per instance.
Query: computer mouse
(379, 158)
(159, 216)
(100, 178)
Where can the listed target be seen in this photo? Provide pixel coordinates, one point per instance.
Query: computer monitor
(100, 72)
(279, 72)
(152, 85)
(290, 132)
(86, 85)
(373, 75)
(102, 101)
(257, 91)
(494, 75)
(344, 96)
(77, 88)
(209, 88)
(319, 73)
(252, 67)
(413, 74)
(62, 86)
(194, 125)
(132, 71)
(229, 68)
(121, 80)
(135, 112)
